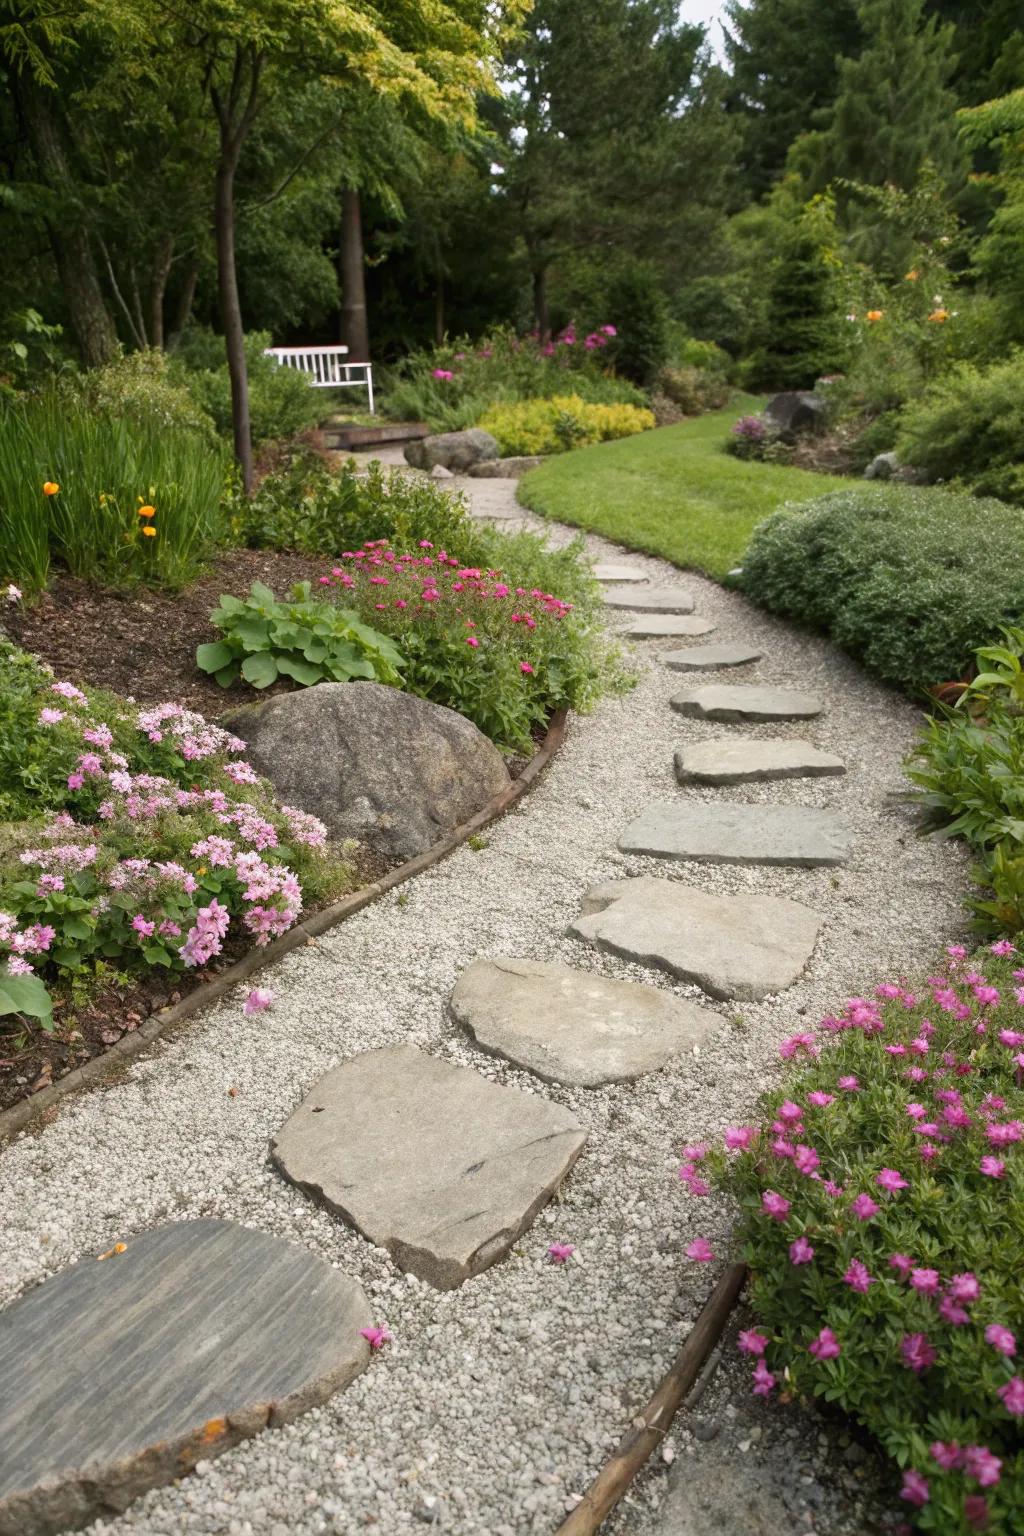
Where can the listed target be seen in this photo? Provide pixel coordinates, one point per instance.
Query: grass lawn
(674, 492)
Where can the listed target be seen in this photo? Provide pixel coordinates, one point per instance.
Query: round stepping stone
(569, 1026)
(121, 1375)
(742, 947)
(432, 1162)
(667, 625)
(650, 599)
(706, 658)
(732, 760)
(606, 570)
(726, 833)
(734, 702)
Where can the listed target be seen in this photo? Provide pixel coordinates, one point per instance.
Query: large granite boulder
(457, 451)
(796, 413)
(372, 762)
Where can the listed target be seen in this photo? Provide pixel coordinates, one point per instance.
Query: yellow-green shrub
(552, 426)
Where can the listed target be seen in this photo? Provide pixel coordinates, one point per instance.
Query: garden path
(496, 1402)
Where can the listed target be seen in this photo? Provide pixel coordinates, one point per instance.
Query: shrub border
(30, 1110)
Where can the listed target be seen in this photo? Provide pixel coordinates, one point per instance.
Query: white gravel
(496, 1404)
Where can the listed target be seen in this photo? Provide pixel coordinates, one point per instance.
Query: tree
(804, 303)
(999, 126)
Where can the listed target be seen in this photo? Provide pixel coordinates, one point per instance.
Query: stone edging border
(29, 1110)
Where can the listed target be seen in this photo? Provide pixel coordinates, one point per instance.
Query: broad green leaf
(26, 994)
(260, 670)
(302, 671)
(213, 657)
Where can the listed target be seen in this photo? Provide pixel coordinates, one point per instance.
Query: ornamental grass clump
(881, 1213)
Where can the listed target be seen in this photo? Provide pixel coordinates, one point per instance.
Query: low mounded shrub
(281, 401)
(881, 1213)
(969, 426)
(909, 580)
(694, 389)
(553, 426)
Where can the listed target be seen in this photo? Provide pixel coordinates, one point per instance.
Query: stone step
(746, 701)
(727, 833)
(708, 658)
(650, 599)
(432, 1162)
(741, 947)
(573, 1027)
(660, 626)
(607, 570)
(119, 1376)
(739, 760)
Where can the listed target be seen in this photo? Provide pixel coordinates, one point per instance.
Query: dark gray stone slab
(727, 833)
(708, 658)
(574, 1027)
(745, 760)
(120, 1375)
(746, 701)
(432, 1162)
(650, 599)
(742, 947)
(658, 626)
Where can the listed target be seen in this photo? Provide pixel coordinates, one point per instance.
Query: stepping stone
(432, 1162)
(741, 947)
(121, 1375)
(650, 599)
(727, 833)
(573, 1027)
(746, 701)
(606, 570)
(661, 625)
(732, 760)
(705, 658)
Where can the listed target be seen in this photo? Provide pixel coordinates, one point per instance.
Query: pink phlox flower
(916, 1111)
(891, 1181)
(802, 1042)
(927, 1152)
(775, 1205)
(1002, 947)
(895, 1050)
(739, 1137)
(832, 1188)
(258, 999)
(751, 1342)
(952, 1313)
(800, 1251)
(980, 1463)
(75, 780)
(1011, 1037)
(948, 1455)
(857, 1276)
(927, 1281)
(700, 1251)
(901, 1263)
(806, 1159)
(50, 716)
(992, 1167)
(821, 1100)
(695, 1185)
(826, 1346)
(916, 1074)
(1003, 1135)
(987, 996)
(915, 1488)
(141, 926)
(849, 1085)
(558, 1253)
(525, 668)
(976, 1511)
(1003, 1340)
(918, 1352)
(696, 1152)
(1012, 1396)
(764, 1381)
(864, 1208)
(964, 1287)
(376, 1337)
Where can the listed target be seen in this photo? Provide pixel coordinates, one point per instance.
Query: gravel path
(495, 1404)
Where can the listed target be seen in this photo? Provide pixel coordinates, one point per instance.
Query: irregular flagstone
(607, 570)
(650, 599)
(738, 760)
(119, 1376)
(741, 947)
(432, 1162)
(705, 658)
(661, 625)
(746, 701)
(728, 833)
(573, 1027)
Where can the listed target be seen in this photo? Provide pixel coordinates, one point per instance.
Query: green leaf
(302, 671)
(260, 670)
(262, 596)
(26, 994)
(254, 633)
(76, 928)
(213, 657)
(227, 675)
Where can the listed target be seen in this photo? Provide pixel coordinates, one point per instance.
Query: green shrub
(310, 642)
(694, 389)
(143, 387)
(106, 464)
(281, 400)
(643, 341)
(911, 581)
(552, 426)
(881, 1213)
(969, 426)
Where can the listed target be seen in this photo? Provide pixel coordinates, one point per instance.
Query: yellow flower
(939, 316)
(874, 315)
(149, 531)
(50, 487)
(147, 511)
(103, 499)
(912, 276)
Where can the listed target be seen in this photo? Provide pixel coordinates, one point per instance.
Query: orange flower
(874, 315)
(147, 511)
(912, 276)
(50, 487)
(149, 531)
(939, 316)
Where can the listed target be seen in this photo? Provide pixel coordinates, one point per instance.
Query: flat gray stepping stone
(650, 599)
(746, 701)
(735, 760)
(607, 570)
(727, 833)
(667, 625)
(121, 1375)
(432, 1162)
(742, 947)
(573, 1027)
(705, 658)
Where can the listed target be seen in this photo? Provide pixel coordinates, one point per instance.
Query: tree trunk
(231, 317)
(354, 329)
(90, 319)
(540, 303)
(183, 308)
(158, 287)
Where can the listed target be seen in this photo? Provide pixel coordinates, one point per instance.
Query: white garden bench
(325, 368)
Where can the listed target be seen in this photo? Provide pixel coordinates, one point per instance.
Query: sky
(709, 11)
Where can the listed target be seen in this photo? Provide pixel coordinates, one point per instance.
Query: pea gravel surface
(496, 1404)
